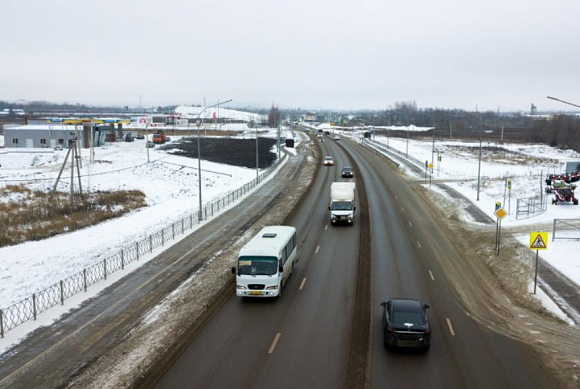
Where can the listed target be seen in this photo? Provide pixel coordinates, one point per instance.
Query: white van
(266, 262)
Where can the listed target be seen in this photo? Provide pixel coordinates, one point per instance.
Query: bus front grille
(256, 286)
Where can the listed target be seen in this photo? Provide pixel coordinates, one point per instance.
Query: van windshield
(341, 206)
(258, 266)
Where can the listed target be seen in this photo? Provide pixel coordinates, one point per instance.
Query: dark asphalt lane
(308, 329)
(314, 322)
(406, 244)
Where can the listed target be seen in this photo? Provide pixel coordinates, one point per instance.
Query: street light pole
(257, 167)
(199, 150)
(147, 140)
(479, 164)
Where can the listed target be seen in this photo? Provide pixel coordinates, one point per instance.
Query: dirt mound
(231, 151)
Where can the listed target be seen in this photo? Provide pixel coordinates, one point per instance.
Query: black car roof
(408, 305)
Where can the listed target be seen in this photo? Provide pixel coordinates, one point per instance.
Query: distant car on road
(336, 137)
(150, 144)
(328, 161)
(405, 323)
(346, 172)
(140, 136)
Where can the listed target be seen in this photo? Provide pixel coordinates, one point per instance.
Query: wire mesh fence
(527, 207)
(566, 229)
(30, 307)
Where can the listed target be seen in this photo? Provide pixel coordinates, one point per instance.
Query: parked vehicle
(150, 144)
(140, 136)
(405, 323)
(342, 202)
(129, 138)
(328, 161)
(346, 172)
(266, 262)
(336, 137)
(159, 137)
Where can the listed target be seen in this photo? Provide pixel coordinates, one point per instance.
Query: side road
(77, 345)
(562, 291)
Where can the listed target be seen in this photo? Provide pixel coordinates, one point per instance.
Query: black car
(140, 136)
(346, 171)
(405, 323)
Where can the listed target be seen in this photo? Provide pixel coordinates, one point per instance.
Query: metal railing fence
(531, 206)
(30, 307)
(566, 229)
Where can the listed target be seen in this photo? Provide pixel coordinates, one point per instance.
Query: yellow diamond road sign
(500, 213)
(538, 240)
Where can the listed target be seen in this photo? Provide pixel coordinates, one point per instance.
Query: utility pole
(479, 164)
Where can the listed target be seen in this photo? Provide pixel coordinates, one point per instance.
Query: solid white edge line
(431, 274)
(302, 284)
(450, 327)
(274, 343)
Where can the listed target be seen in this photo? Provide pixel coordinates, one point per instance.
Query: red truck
(159, 137)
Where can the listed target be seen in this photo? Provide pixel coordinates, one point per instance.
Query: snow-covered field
(523, 164)
(169, 182)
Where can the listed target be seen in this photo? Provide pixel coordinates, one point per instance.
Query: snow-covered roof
(45, 127)
(192, 112)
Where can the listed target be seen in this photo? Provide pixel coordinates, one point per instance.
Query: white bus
(266, 262)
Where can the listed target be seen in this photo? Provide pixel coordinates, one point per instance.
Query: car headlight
(242, 287)
(272, 287)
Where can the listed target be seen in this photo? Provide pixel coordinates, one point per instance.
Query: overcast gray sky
(298, 53)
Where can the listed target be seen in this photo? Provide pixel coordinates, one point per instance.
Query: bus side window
(284, 256)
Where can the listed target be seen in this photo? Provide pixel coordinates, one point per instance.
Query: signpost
(538, 241)
(499, 214)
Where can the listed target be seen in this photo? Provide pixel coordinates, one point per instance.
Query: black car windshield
(402, 317)
(258, 266)
(341, 206)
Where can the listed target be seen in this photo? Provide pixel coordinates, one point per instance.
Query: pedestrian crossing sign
(538, 240)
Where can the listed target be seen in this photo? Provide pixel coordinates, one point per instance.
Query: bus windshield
(257, 266)
(341, 206)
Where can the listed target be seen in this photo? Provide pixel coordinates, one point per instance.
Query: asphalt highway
(304, 338)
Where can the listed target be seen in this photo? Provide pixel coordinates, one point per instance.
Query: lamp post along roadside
(147, 140)
(479, 164)
(199, 150)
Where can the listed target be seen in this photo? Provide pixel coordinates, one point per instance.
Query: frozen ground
(523, 164)
(169, 182)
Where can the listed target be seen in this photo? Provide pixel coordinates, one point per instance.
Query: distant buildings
(48, 135)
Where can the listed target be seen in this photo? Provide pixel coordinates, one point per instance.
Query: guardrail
(30, 307)
(568, 228)
(531, 206)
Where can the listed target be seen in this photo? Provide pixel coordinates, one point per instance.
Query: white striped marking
(431, 274)
(326, 227)
(302, 284)
(396, 197)
(317, 248)
(402, 209)
(410, 225)
(450, 327)
(418, 244)
(274, 343)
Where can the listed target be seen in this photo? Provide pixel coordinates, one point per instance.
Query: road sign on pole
(538, 241)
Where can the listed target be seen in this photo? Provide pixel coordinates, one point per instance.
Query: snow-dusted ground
(524, 166)
(169, 182)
